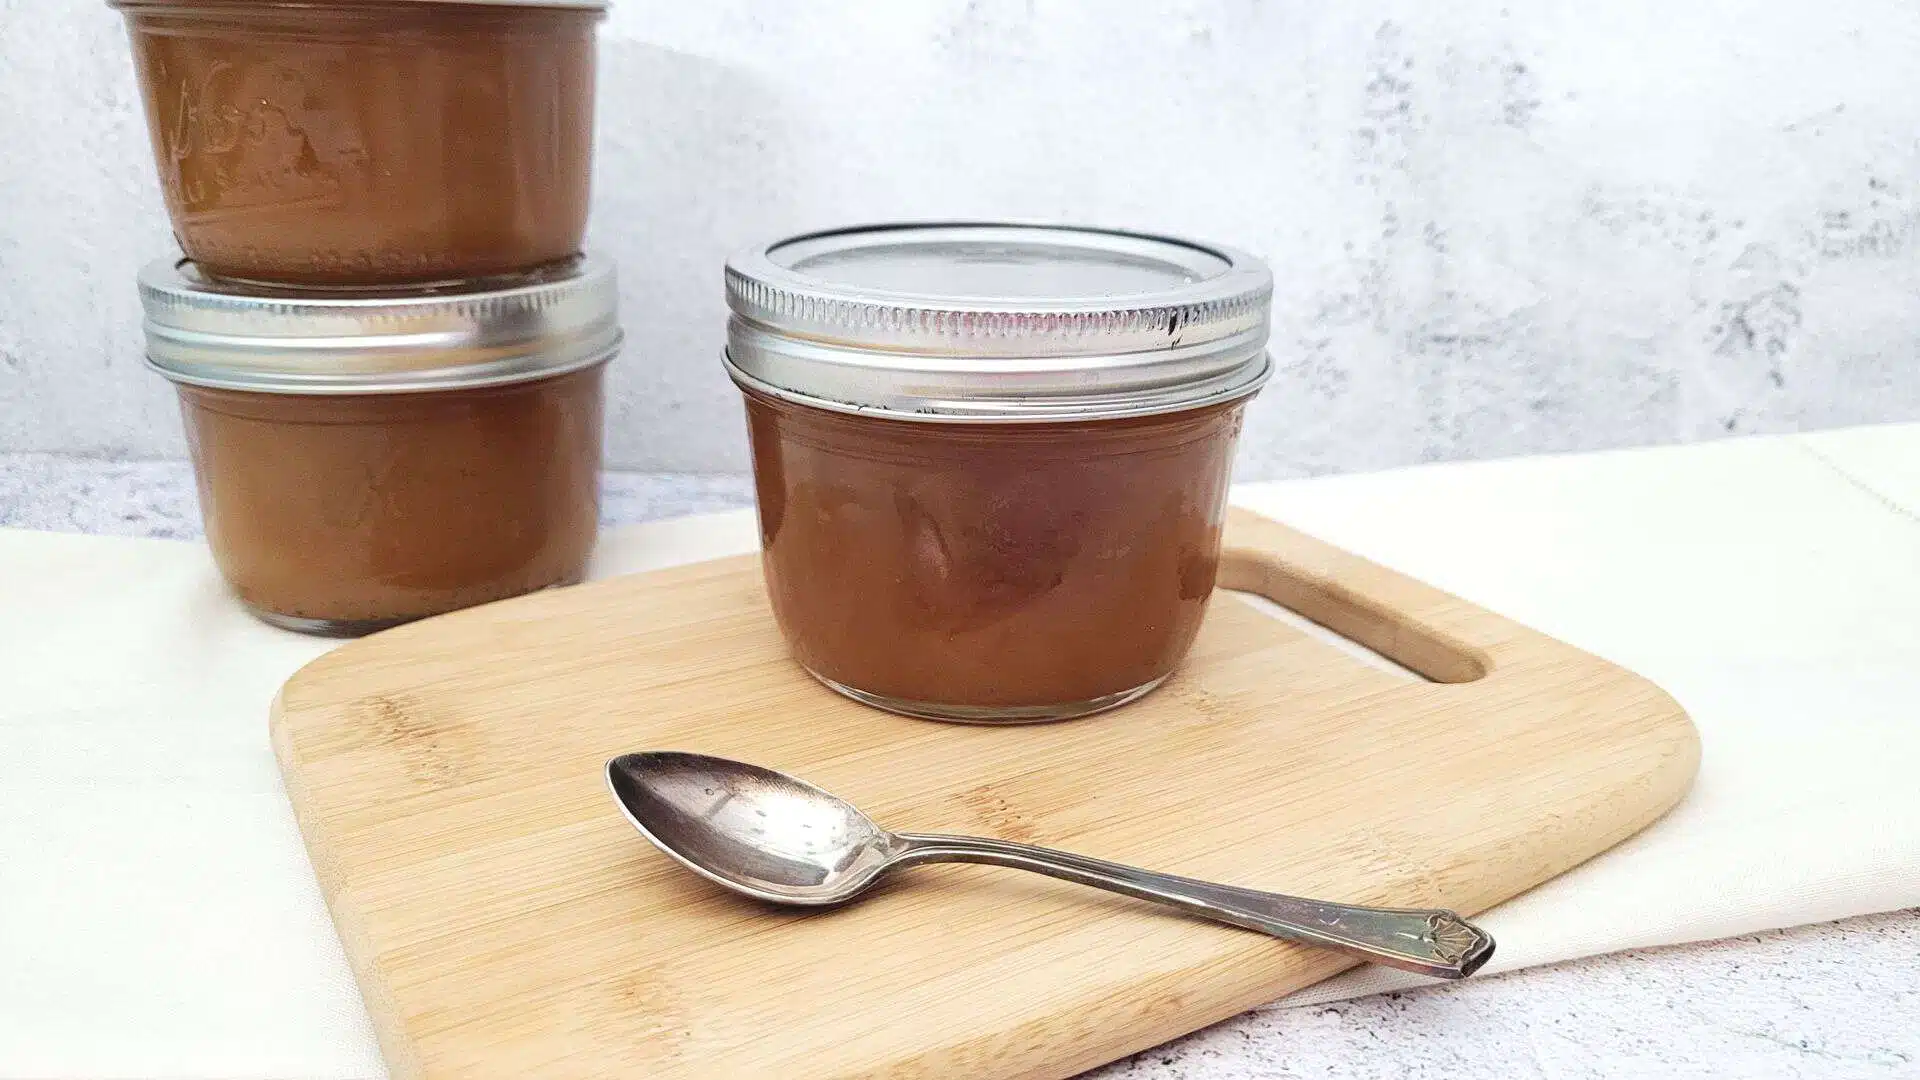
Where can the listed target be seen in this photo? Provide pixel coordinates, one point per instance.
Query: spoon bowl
(756, 831)
(780, 839)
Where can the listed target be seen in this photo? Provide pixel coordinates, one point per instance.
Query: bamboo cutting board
(504, 921)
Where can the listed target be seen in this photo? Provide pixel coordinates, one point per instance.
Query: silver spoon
(780, 839)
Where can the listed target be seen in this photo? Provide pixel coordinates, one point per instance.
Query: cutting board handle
(1409, 622)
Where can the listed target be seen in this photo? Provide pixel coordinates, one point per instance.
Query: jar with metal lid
(992, 460)
(358, 143)
(366, 461)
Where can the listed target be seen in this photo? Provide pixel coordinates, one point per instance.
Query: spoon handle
(1429, 941)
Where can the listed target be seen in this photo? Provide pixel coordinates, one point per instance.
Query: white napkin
(158, 918)
(1776, 598)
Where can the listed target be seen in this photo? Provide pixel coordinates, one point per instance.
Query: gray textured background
(1497, 227)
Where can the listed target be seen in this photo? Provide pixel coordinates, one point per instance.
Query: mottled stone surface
(145, 498)
(1835, 1001)
(1497, 227)
(156, 498)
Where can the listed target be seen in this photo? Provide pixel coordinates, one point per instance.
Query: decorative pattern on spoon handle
(1429, 941)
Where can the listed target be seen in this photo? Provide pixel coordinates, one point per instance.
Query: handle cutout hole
(1314, 630)
(1361, 623)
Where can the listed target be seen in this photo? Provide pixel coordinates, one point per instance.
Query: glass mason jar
(367, 461)
(357, 143)
(992, 460)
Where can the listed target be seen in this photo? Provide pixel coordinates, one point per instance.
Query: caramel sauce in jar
(343, 514)
(1005, 573)
(368, 143)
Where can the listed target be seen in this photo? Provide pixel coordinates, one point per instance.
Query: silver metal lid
(982, 322)
(239, 338)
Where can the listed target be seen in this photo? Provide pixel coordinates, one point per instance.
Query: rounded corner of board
(1668, 721)
(1686, 738)
(278, 726)
(287, 700)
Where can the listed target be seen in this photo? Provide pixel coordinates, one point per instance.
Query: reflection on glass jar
(358, 143)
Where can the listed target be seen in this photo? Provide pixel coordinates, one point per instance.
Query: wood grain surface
(504, 921)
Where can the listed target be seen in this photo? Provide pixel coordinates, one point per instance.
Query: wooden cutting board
(504, 921)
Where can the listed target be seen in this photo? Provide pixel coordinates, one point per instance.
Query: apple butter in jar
(369, 143)
(992, 460)
(367, 461)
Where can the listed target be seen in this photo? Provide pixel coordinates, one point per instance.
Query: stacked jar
(387, 342)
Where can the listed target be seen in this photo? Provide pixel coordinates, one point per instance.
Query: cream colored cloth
(158, 917)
